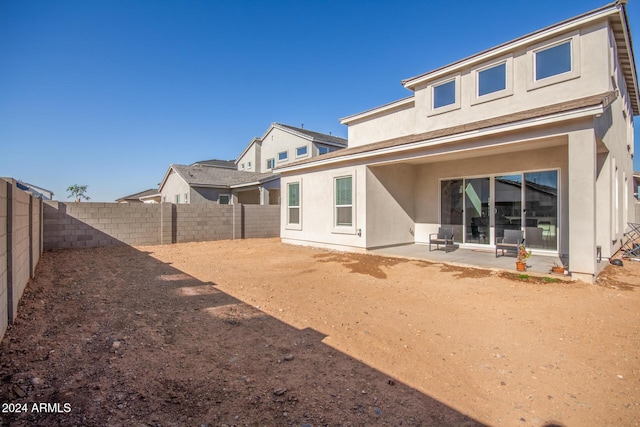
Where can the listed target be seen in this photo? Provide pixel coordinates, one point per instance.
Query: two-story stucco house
(250, 179)
(284, 144)
(535, 134)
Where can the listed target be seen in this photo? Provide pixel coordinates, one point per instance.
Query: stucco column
(264, 195)
(582, 205)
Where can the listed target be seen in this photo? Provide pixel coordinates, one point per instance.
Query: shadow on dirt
(119, 338)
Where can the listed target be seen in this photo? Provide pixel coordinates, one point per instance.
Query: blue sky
(109, 93)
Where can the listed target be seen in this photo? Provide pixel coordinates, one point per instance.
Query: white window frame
(248, 165)
(286, 153)
(290, 225)
(507, 91)
(306, 151)
(532, 83)
(273, 163)
(323, 147)
(241, 166)
(445, 108)
(344, 229)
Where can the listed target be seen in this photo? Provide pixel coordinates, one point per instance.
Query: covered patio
(476, 258)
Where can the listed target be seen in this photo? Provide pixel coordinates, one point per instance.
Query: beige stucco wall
(594, 64)
(173, 186)
(252, 155)
(316, 198)
(276, 141)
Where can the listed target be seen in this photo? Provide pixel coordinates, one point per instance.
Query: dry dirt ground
(253, 332)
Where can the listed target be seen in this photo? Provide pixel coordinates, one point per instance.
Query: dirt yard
(253, 332)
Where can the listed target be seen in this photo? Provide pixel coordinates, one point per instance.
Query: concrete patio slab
(478, 258)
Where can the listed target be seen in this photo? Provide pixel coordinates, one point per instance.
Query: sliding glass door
(452, 207)
(476, 210)
(526, 201)
(508, 209)
(541, 209)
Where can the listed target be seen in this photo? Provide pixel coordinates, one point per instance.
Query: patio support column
(582, 204)
(263, 195)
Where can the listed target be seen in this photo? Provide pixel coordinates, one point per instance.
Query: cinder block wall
(20, 246)
(4, 314)
(21, 271)
(80, 225)
(204, 221)
(261, 221)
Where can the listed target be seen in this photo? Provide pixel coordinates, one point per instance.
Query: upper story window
(223, 199)
(492, 79)
(282, 156)
(553, 60)
(322, 149)
(241, 166)
(248, 165)
(271, 163)
(301, 151)
(444, 94)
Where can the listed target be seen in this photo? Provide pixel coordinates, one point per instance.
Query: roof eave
(504, 48)
(593, 110)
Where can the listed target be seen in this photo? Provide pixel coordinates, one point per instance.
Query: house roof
(136, 196)
(316, 137)
(602, 100)
(313, 136)
(216, 177)
(230, 164)
(615, 12)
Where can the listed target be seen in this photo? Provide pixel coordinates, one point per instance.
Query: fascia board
(378, 110)
(511, 46)
(525, 124)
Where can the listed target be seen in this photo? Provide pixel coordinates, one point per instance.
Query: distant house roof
(316, 137)
(40, 192)
(230, 164)
(408, 141)
(198, 175)
(136, 196)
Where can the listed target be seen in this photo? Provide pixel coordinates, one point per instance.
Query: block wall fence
(88, 224)
(21, 243)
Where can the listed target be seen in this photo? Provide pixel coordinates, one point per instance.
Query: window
(344, 201)
(301, 151)
(241, 166)
(282, 156)
(248, 165)
(223, 199)
(322, 149)
(186, 197)
(271, 163)
(444, 94)
(293, 197)
(493, 79)
(177, 199)
(553, 60)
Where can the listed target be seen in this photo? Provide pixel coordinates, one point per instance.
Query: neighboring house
(219, 182)
(247, 180)
(148, 196)
(39, 192)
(283, 144)
(536, 134)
